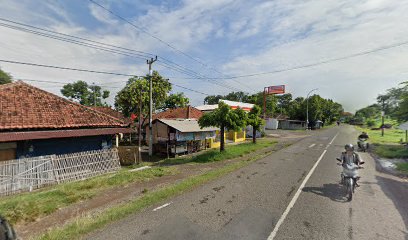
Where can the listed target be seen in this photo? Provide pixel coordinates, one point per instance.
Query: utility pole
(150, 62)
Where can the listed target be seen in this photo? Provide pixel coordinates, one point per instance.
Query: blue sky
(231, 38)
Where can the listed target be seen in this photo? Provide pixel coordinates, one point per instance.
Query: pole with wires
(150, 62)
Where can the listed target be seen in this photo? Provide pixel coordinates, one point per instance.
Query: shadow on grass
(334, 191)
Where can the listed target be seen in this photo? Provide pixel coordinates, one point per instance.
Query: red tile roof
(23, 106)
(113, 113)
(183, 113)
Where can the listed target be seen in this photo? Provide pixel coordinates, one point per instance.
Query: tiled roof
(23, 106)
(179, 113)
(113, 113)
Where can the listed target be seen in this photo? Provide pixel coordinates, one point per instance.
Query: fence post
(53, 160)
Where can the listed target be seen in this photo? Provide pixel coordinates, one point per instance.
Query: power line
(157, 38)
(66, 68)
(105, 86)
(166, 62)
(322, 62)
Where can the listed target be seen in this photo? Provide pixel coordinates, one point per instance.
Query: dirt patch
(123, 194)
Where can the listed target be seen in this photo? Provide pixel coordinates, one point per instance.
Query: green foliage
(175, 101)
(212, 99)
(319, 108)
(88, 95)
(223, 117)
(403, 167)
(5, 77)
(255, 121)
(391, 151)
(136, 91)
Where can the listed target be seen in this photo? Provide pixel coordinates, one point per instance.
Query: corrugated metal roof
(186, 125)
(238, 104)
(207, 107)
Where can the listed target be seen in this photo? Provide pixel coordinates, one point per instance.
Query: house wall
(57, 146)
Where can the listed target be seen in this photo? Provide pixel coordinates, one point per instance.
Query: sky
(210, 46)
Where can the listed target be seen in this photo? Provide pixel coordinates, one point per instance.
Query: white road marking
(162, 206)
(333, 139)
(297, 194)
(312, 145)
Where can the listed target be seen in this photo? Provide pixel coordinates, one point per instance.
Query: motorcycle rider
(350, 156)
(362, 137)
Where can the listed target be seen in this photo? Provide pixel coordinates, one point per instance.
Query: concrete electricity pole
(150, 62)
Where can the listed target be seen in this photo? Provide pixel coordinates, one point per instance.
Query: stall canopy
(186, 125)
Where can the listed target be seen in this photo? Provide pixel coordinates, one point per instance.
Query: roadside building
(34, 122)
(292, 124)
(176, 131)
(230, 136)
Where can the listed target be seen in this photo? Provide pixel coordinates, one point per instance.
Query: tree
(212, 99)
(128, 99)
(284, 102)
(223, 117)
(175, 101)
(88, 95)
(5, 77)
(255, 121)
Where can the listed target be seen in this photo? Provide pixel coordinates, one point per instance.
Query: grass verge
(402, 167)
(27, 207)
(391, 151)
(213, 155)
(88, 224)
(391, 136)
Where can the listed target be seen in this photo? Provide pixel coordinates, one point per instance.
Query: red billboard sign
(275, 89)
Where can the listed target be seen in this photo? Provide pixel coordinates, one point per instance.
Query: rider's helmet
(349, 147)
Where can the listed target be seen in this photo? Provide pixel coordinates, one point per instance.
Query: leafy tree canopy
(85, 94)
(136, 91)
(175, 101)
(224, 117)
(5, 77)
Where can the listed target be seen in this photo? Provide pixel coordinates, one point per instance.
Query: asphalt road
(291, 194)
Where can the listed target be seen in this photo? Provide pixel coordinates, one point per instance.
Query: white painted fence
(32, 173)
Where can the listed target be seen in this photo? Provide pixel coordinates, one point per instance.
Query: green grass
(402, 167)
(27, 207)
(230, 152)
(88, 224)
(391, 136)
(391, 151)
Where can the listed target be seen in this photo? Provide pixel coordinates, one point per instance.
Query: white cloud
(241, 37)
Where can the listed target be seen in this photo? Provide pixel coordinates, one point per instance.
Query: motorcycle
(362, 144)
(349, 176)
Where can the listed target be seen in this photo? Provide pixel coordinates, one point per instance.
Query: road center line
(162, 206)
(312, 145)
(297, 194)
